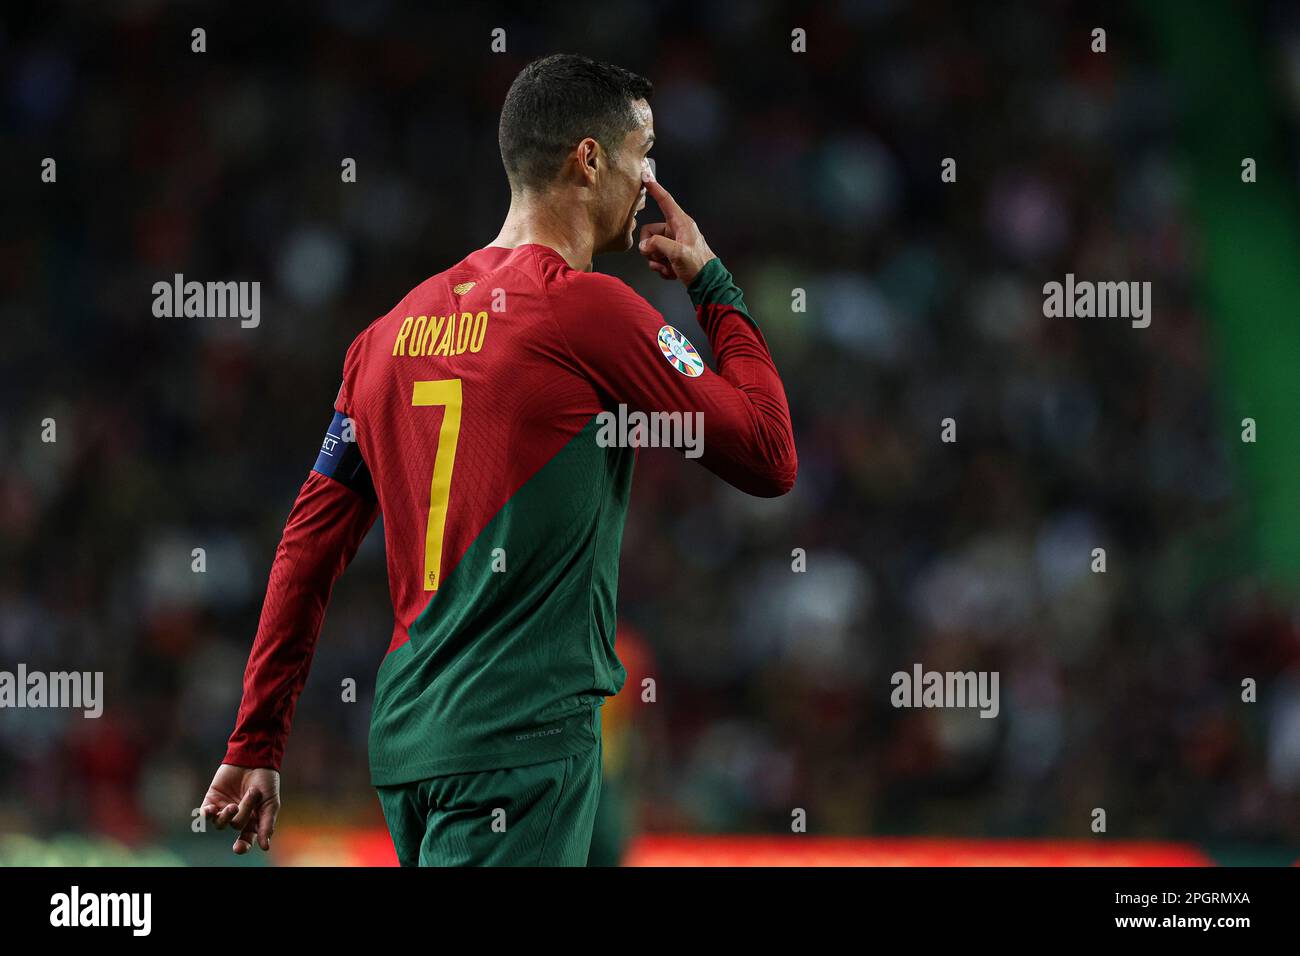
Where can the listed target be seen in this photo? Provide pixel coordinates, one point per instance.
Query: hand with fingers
(247, 800)
(673, 248)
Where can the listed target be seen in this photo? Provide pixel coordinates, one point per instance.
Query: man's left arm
(334, 510)
(326, 525)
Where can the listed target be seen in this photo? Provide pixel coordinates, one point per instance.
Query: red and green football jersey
(468, 417)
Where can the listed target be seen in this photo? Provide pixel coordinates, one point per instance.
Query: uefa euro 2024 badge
(680, 353)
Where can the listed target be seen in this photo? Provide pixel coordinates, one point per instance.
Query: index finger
(673, 213)
(245, 811)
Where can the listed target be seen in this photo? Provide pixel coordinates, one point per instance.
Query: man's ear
(588, 154)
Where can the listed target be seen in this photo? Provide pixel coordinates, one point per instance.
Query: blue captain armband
(340, 457)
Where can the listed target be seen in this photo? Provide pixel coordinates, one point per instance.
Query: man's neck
(552, 222)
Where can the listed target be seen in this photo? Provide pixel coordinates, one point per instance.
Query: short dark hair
(556, 101)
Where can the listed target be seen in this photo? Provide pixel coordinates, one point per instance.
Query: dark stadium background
(817, 171)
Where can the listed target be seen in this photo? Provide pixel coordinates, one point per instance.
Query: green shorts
(539, 815)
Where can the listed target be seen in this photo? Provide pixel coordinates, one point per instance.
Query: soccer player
(468, 417)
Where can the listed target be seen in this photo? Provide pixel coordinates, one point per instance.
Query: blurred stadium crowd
(816, 171)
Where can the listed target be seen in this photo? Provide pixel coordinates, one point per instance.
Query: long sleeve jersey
(471, 416)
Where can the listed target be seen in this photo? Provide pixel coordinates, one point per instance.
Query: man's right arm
(623, 345)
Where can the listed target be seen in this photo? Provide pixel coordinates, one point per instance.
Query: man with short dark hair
(468, 416)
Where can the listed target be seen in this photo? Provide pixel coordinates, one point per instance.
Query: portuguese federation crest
(680, 353)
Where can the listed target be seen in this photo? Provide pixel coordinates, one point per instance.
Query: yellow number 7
(445, 392)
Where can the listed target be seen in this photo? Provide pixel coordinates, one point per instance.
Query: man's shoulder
(598, 290)
(442, 288)
(568, 293)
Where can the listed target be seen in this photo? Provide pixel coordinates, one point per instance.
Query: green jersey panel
(515, 651)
